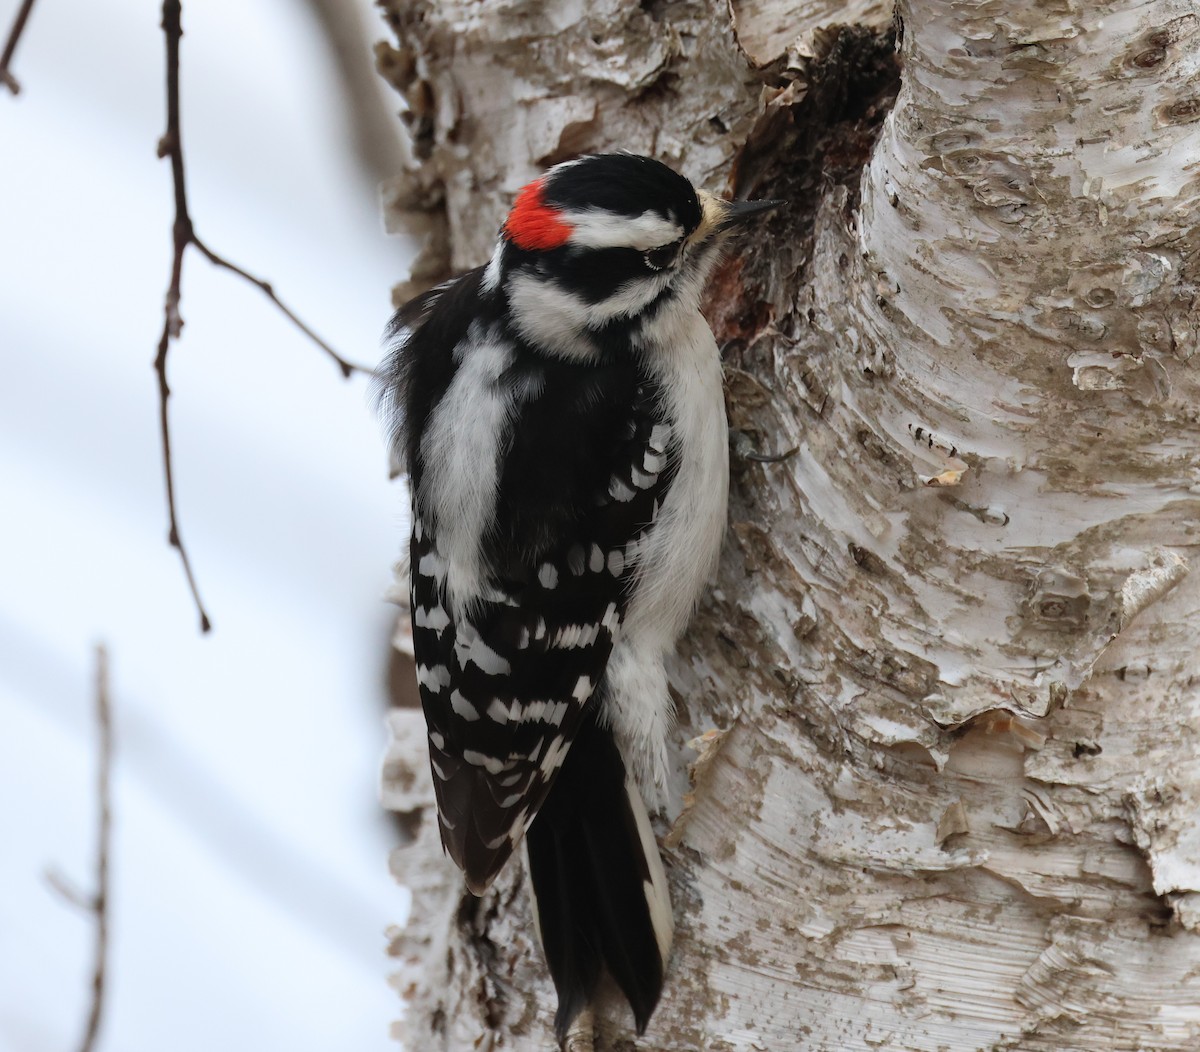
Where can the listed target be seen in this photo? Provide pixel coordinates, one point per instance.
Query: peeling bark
(946, 766)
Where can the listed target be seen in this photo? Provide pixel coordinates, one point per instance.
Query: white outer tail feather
(658, 893)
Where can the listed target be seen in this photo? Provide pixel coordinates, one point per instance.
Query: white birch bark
(945, 693)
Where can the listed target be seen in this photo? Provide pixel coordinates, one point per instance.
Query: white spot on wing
(488, 660)
(576, 560)
(488, 763)
(555, 754)
(497, 711)
(463, 709)
(434, 617)
(616, 562)
(548, 576)
(532, 711)
(497, 841)
(641, 479)
(596, 559)
(433, 677)
(469, 646)
(432, 565)
(618, 489)
(574, 636)
(583, 689)
(610, 618)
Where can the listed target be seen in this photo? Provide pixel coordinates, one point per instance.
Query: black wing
(505, 682)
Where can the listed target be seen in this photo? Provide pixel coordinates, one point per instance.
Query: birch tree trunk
(943, 783)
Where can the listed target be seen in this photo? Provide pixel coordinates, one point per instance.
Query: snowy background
(249, 888)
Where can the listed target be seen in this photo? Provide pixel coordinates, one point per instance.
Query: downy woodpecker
(560, 414)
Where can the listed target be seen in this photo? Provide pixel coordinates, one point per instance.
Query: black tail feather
(593, 882)
(576, 957)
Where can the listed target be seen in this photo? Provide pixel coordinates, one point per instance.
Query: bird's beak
(737, 212)
(720, 215)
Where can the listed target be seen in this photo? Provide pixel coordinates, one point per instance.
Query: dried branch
(347, 368)
(64, 887)
(183, 234)
(10, 46)
(97, 902)
(104, 838)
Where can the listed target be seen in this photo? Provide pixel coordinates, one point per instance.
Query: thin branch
(346, 367)
(170, 145)
(104, 801)
(10, 46)
(183, 234)
(63, 886)
(97, 903)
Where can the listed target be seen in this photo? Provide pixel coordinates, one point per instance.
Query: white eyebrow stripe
(596, 228)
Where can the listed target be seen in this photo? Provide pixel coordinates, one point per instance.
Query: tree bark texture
(939, 724)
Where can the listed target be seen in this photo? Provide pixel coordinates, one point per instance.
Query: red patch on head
(533, 224)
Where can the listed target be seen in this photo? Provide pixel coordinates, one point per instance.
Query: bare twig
(96, 903)
(171, 146)
(104, 803)
(10, 46)
(346, 367)
(64, 887)
(183, 234)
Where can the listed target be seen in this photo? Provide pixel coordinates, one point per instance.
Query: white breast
(680, 555)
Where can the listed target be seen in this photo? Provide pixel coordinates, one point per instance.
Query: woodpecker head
(604, 242)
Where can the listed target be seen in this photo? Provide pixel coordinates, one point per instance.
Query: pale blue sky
(250, 860)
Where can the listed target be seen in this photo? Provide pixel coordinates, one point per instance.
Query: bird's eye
(664, 256)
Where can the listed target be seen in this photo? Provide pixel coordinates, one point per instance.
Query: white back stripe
(460, 446)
